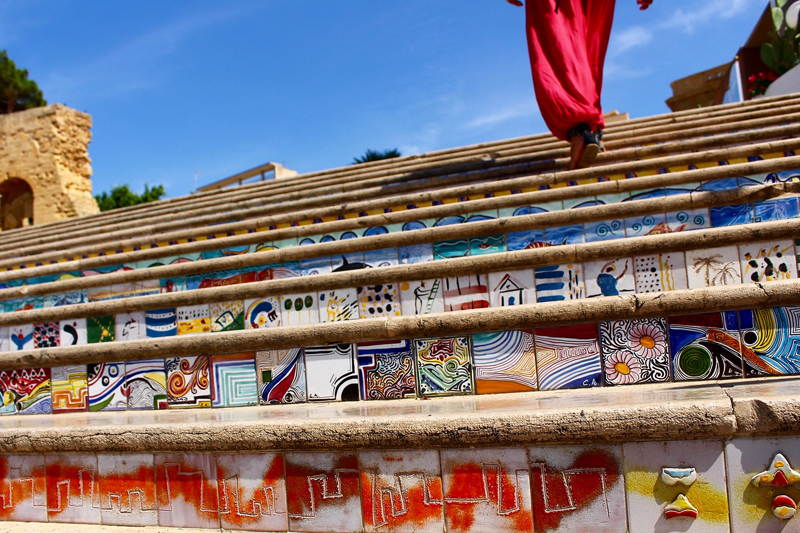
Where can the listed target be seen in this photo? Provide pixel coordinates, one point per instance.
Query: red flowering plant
(759, 82)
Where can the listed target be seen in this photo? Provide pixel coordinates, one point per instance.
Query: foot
(585, 147)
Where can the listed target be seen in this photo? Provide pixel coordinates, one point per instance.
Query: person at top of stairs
(567, 42)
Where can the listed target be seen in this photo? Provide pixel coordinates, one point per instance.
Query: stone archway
(16, 204)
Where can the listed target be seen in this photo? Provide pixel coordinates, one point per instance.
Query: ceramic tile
(146, 382)
(720, 184)
(705, 346)
(234, 380)
(72, 488)
(167, 285)
(401, 491)
(564, 235)
(578, 488)
(522, 240)
(604, 230)
(23, 490)
(652, 490)
(512, 288)
(710, 267)
(252, 492)
(688, 220)
(752, 505)
(255, 273)
(127, 489)
(46, 335)
(130, 326)
(415, 253)
(568, 357)
(188, 382)
(23, 304)
(609, 277)
(647, 195)
(443, 366)
(323, 492)
(379, 301)
(386, 370)
(504, 361)
(226, 316)
(646, 225)
(262, 313)
(288, 270)
(299, 309)
(635, 351)
(421, 297)
(26, 391)
(332, 372)
(487, 490)
(731, 215)
(315, 266)
(5, 341)
(338, 305)
(465, 292)
(660, 273)
(66, 298)
(451, 248)
(220, 278)
(348, 262)
(559, 282)
(70, 388)
(161, 323)
(107, 391)
(384, 257)
(281, 376)
(21, 337)
(778, 209)
(768, 261)
(489, 244)
(100, 329)
(193, 319)
(770, 341)
(186, 485)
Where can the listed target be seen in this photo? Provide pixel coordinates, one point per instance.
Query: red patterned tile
(252, 492)
(186, 485)
(22, 488)
(72, 489)
(127, 489)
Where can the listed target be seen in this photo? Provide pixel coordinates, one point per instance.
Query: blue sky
(219, 87)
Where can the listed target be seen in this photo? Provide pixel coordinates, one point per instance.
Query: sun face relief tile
(401, 491)
(193, 319)
(299, 309)
(323, 492)
(70, 388)
(281, 376)
(465, 292)
(568, 357)
(770, 341)
(443, 366)
(161, 323)
(23, 488)
(252, 492)
(422, 297)
(713, 267)
(46, 335)
(227, 316)
(72, 488)
(559, 282)
(660, 273)
(487, 490)
(386, 370)
(26, 391)
(705, 346)
(234, 380)
(262, 313)
(609, 278)
(127, 489)
(635, 351)
(768, 261)
(100, 329)
(577, 489)
(504, 362)
(146, 382)
(107, 387)
(188, 382)
(653, 488)
(332, 373)
(379, 301)
(186, 486)
(511, 288)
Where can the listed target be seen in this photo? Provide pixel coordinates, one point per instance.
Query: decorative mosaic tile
(487, 490)
(252, 492)
(100, 329)
(315, 266)
(262, 313)
(299, 309)
(511, 288)
(770, 341)
(234, 380)
(46, 335)
(161, 323)
(107, 391)
(401, 491)
(415, 253)
(660, 273)
(130, 326)
(255, 273)
(288, 270)
(194, 319)
(577, 489)
(70, 388)
(520, 240)
(609, 278)
(712, 267)
(378, 301)
(66, 298)
(450, 249)
(504, 361)
(443, 366)
(338, 305)
(23, 488)
(564, 235)
(568, 357)
(332, 372)
(227, 316)
(646, 225)
(21, 337)
(220, 278)
(323, 492)
(23, 304)
(705, 346)
(146, 382)
(635, 351)
(186, 485)
(559, 282)
(127, 489)
(657, 474)
(380, 258)
(188, 382)
(71, 495)
(687, 220)
(604, 230)
(348, 262)
(731, 215)
(778, 209)
(281, 376)
(465, 292)
(421, 297)
(26, 391)
(768, 261)
(386, 370)
(489, 244)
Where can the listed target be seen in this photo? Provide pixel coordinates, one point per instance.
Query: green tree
(375, 155)
(122, 196)
(17, 92)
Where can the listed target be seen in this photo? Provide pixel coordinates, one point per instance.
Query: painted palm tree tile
(100, 329)
(234, 380)
(338, 305)
(511, 288)
(71, 488)
(188, 382)
(281, 376)
(160, 323)
(26, 391)
(130, 326)
(126, 488)
(577, 488)
(332, 372)
(614, 277)
(46, 335)
(107, 390)
(635, 351)
(21, 337)
(568, 357)
(705, 346)
(299, 309)
(70, 388)
(260, 313)
(421, 297)
(555, 236)
(193, 319)
(778, 209)
(645, 225)
(660, 273)
(768, 261)
(465, 292)
(187, 490)
(22, 478)
(504, 361)
(731, 215)
(688, 220)
(226, 316)
(444, 366)
(146, 382)
(603, 230)
(386, 370)
(770, 341)
(555, 283)
(252, 492)
(712, 267)
(378, 301)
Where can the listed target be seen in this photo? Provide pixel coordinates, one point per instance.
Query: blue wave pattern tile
(568, 357)
(604, 230)
(688, 220)
(731, 215)
(779, 209)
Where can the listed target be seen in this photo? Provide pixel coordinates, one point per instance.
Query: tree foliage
(17, 92)
(375, 155)
(122, 196)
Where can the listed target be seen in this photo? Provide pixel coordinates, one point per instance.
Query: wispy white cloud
(628, 39)
(709, 10)
(499, 116)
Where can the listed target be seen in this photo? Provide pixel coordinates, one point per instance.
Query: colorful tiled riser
(690, 486)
